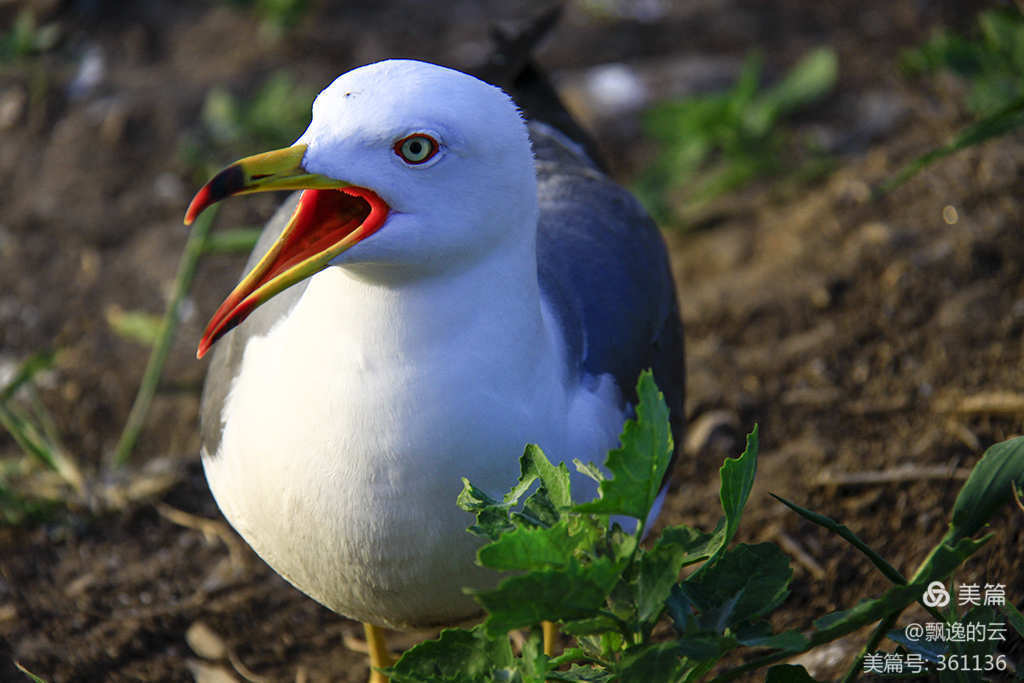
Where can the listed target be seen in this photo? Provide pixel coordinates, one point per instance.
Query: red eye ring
(417, 148)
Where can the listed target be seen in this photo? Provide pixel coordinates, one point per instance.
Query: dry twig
(891, 476)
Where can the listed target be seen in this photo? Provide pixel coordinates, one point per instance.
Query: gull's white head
(408, 168)
(448, 153)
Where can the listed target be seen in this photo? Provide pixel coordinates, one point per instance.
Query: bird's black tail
(511, 67)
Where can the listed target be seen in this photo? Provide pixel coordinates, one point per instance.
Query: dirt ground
(864, 336)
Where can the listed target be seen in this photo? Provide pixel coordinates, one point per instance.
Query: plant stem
(877, 634)
(158, 356)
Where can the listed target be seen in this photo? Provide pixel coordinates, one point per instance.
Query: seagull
(451, 284)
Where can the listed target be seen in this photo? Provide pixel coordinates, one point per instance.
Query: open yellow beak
(332, 215)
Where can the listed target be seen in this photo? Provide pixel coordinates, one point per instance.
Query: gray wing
(227, 352)
(603, 265)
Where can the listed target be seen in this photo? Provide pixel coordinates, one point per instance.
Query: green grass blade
(844, 532)
(939, 565)
(26, 371)
(1001, 122)
(37, 440)
(34, 678)
(27, 436)
(1014, 616)
(811, 79)
(236, 241)
(162, 347)
(136, 326)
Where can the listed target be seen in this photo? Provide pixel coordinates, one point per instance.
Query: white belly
(340, 462)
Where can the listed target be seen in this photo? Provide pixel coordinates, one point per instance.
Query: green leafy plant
(569, 563)
(272, 117)
(711, 144)
(47, 477)
(33, 485)
(278, 16)
(26, 37)
(992, 64)
(232, 126)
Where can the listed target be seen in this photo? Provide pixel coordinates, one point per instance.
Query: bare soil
(863, 336)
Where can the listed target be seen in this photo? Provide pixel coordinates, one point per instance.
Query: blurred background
(870, 322)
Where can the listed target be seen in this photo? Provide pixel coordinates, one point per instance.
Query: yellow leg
(550, 629)
(377, 644)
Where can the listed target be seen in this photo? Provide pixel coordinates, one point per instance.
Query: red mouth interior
(322, 219)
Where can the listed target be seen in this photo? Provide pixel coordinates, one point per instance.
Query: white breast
(341, 459)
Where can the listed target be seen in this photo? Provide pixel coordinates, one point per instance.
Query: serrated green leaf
(657, 571)
(737, 475)
(696, 544)
(491, 515)
(542, 508)
(570, 654)
(538, 509)
(788, 673)
(535, 465)
(744, 583)
(456, 656)
(576, 591)
(653, 662)
(638, 466)
(528, 548)
(623, 545)
(589, 469)
(988, 488)
(607, 644)
(737, 480)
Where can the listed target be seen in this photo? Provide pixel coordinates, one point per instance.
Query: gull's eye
(416, 148)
